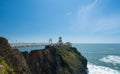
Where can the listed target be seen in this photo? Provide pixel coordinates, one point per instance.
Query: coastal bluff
(53, 59)
(13, 59)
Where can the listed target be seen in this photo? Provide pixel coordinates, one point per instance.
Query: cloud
(84, 10)
(86, 22)
(82, 20)
(89, 22)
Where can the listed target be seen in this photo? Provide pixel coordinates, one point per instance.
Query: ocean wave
(113, 59)
(94, 69)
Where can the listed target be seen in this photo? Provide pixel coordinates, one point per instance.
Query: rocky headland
(53, 59)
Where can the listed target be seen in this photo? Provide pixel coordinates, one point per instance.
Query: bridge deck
(19, 45)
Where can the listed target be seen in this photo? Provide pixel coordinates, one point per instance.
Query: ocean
(102, 58)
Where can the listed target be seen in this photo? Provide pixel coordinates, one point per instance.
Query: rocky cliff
(13, 58)
(57, 59)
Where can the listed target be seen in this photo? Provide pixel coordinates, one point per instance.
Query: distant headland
(59, 58)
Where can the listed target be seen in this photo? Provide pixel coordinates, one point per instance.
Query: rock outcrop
(13, 58)
(56, 59)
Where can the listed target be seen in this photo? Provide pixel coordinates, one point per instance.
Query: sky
(77, 21)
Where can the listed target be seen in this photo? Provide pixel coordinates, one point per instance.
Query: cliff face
(13, 58)
(56, 60)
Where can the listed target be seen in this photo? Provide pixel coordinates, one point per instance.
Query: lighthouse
(60, 41)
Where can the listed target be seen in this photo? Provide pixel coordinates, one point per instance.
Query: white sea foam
(111, 59)
(93, 69)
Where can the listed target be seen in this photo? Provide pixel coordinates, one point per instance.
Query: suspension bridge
(20, 45)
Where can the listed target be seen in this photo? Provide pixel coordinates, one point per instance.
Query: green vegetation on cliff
(6, 69)
(73, 58)
(12, 58)
(69, 56)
